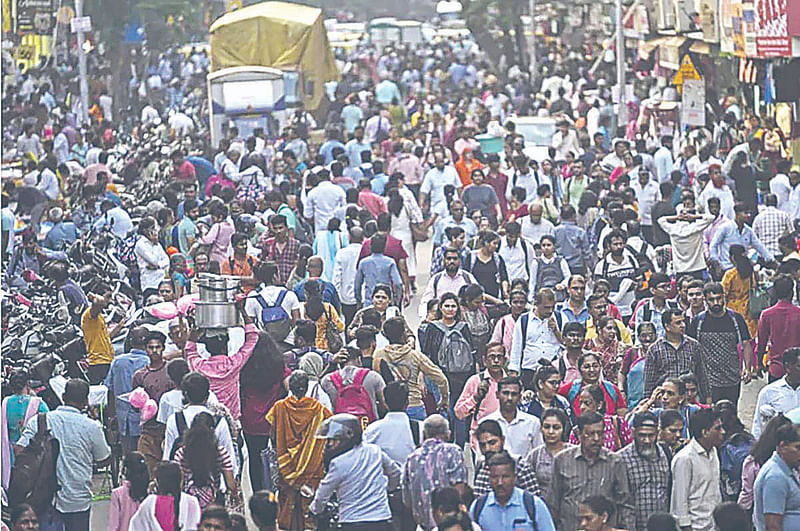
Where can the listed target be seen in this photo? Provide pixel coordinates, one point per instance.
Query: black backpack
(33, 478)
(180, 423)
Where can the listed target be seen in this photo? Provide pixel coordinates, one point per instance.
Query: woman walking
(169, 508)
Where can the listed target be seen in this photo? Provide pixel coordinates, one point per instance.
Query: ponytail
(314, 305)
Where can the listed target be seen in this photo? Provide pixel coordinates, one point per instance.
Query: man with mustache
(648, 468)
(721, 332)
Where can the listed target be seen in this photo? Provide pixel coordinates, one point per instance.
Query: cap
(646, 419)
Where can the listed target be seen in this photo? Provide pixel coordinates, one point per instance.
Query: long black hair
(395, 203)
(314, 305)
(743, 265)
(135, 470)
(265, 367)
(200, 450)
(169, 479)
(766, 444)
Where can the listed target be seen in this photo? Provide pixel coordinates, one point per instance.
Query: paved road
(747, 401)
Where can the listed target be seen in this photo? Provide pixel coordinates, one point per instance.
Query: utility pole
(84, 85)
(532, 61)
(622, 120)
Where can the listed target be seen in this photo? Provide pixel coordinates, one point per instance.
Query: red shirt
(257, 402)
(611, 405)
(499, 181)
(372, 202)
(185, 172)
(394, 249)
(778, 326)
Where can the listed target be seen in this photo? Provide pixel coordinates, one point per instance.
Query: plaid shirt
(284, 260)
(526, 479)
(650, 482)
(665, 361)
(770, 225)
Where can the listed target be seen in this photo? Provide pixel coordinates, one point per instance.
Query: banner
(772, 36)
(35, 16)
(693, 103)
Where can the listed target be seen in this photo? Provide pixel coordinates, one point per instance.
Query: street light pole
(84, 85)
(622, 120)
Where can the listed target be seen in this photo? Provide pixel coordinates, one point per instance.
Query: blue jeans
(416, 413)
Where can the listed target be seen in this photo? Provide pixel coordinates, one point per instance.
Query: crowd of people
(574, 359)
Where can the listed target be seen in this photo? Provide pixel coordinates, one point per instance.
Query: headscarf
(313, 365)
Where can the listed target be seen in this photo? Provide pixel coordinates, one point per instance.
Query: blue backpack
(274, 318)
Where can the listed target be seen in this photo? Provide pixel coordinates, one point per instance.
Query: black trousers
(255, 443)
(349, 311)
(729, 392)
(368, 526)
(97, 373)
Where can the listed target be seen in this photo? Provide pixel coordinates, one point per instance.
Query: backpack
(701, 317)
(182, 426)
(732, 456)
(455, 353)
(641, 257)
(33, 478)
(528, 500)
(274, 318)
(647, 312)
(438, 276)
(353, 398)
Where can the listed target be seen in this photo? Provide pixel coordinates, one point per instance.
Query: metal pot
(217, 288)
(217, 315)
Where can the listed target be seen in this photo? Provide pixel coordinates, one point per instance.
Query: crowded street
(418, 266)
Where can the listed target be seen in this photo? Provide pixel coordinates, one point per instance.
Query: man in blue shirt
(118, 380)
(62, 234)
(355, 146)
(736, 233)
(777, 492)
(377, 269)
(508, 507)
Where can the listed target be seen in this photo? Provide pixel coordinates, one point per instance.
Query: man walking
(588, 470)
(522, 431)
(82, 446)
(648, 468)
(536, 336)
(673, 355)
(779, 327)
(377, 269)
(695, 473)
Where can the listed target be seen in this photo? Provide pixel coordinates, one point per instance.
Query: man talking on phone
(479, 397)
(536, 335)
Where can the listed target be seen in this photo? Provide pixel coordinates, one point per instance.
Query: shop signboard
(693, 102)
(772, 35)
(709, 20)
(35, 16)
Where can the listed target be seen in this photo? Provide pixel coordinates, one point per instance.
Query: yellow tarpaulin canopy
(279, 35)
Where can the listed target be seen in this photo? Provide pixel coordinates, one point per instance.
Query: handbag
(332, 335)
(758, 299)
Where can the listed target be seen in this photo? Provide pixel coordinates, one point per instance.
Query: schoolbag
(647, 312)
(274, 318)
(353, 398)
(182, 426)
(528, 501)
(645, 264)
(33, 478)
(732, 456)
(455, 353)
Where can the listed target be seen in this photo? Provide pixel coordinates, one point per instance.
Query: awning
(700, 47)
(647, 47)
(670, 55)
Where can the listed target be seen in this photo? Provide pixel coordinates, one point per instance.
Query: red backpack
(353, 398)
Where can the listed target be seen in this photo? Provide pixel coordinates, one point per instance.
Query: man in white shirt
(522, 431)
(323, 201)
(115, 218)
(195, 389)
(717, 187)
(686, 238)
(395, 433)
(48, 182)
(780, 396)
(647, 194)
(536, 336)
(565, 140)
(663, 159)
(524, 177)
(344, 273)
(534, 226)
(270, 293)
(517, 253)
(780, 185)
(432, 190)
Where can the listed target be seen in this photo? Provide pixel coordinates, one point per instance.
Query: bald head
(138, 337)
(535, 212)
(314, 266)
(436, 427)
(356, 235)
